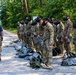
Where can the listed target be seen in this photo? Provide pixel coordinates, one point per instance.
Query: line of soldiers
(43, 35)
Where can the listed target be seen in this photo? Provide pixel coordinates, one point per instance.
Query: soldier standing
(1, 39)
(55, 34)
(67, 33)
(60, 29)
(22, 30)
(34, 31)
(48, 43)
(40, 31)
(18, 30)
(28, 31)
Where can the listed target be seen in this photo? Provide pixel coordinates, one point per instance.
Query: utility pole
(26, 6)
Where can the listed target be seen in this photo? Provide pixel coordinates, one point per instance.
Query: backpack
(35, 62)
(69, 59)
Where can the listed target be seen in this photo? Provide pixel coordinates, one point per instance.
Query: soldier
(59, 37)
(55, 34)
(48, 43)
(34, 31)
(28, 31)
(40, 33)
(24, 32)
(18, 30)
(1, 39)
(21, 30)
(74, 38)
(67, 33)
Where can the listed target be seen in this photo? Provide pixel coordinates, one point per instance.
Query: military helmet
(28, 18)
(57, 21)
(66, 17)
(38, 18)
(45, 21)
(34, 22)
(22, 22)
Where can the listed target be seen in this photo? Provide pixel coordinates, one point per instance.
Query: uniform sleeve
(51, 34)
(62, 28)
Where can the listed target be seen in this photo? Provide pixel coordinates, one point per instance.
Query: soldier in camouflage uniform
(67, 33)
(24, 32)
(60, 29)
(40, 31)
(74, 38)
(21, 30)
(55, 35)
(34, 33)
(48, 42)
(28, 31)
(18, 30)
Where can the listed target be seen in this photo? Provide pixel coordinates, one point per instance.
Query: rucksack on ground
(35, 62)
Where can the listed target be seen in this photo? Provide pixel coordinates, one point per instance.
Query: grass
(13, 30)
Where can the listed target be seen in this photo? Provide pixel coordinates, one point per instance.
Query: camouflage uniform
(35, 32)
(55, 35)
(34, 37)
(20, 31)
(67, 34)
(41, 37)
(48, 38)
(38, 34)
(74, 40)
(60, 28)
(28, 32)
(24, 31)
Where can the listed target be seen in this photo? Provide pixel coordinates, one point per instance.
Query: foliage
(14, 10)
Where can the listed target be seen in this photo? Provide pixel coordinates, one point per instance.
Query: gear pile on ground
(69, 59)
(35, 58)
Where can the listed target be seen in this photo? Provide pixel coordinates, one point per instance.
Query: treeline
(14, 10)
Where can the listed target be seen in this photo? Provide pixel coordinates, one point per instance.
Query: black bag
(56, 51)
(69, 59)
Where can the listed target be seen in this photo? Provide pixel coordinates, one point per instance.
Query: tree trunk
(26, 6)
(40, 3)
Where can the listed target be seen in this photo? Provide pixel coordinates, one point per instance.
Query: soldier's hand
(50, 44)
(41, 34)
(66, 37)
(32, 37)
